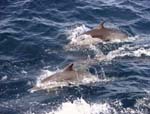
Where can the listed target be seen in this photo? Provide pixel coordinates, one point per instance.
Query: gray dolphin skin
(67, 75)
(106, 34)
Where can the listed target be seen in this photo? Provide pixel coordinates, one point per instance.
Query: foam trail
(121, 52)
(124, 51)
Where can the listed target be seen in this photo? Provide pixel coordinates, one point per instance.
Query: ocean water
(39, 37)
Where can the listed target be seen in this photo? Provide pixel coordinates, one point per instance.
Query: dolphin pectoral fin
(69, 67)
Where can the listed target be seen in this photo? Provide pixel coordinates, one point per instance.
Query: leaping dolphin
(106, 34)
(68, 75)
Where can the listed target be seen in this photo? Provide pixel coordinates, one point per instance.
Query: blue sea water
(33, 34)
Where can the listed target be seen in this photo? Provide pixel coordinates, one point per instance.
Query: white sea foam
(124, 51)
(80, 106)
(77, 39)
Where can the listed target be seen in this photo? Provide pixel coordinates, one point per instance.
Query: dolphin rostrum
(106, 34)
(68, 75)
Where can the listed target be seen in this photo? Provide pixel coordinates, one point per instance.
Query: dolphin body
(68, 75)
(106, 34)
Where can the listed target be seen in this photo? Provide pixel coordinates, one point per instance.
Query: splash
(80, 106)
(78, 40)
(123, 51)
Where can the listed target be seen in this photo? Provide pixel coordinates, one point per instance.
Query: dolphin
(106, 34)
(67, 75)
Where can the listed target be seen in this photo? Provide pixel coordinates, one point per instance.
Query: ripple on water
(33, 34)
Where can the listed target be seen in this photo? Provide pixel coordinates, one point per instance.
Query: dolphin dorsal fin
(69, 67)
(101, 25)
